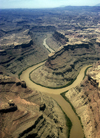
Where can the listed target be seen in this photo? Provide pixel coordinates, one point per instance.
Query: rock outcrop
(16, 40)
(17, 50)
(94, 75)
(25, 113)
(60, 37)
(22, 33)
(8, 107)
(63, 66)
(85, 98)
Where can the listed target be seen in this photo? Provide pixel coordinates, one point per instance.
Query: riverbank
(76, 130)
(47, 47)
(25, 76)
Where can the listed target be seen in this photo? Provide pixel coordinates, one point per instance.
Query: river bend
(76, 131)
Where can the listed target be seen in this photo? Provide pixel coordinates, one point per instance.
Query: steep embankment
(54, 93)
(63, 66)
(86, 100)
(56, 40)
(26, 113)
(20, 50)
(60, 37)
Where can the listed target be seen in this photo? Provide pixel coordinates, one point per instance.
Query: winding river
(76, 131)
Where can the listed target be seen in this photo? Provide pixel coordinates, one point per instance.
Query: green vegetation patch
(49, 86)
(68, 121)
(68, 84)
(19, 74)
(63, 95)
(86, 71)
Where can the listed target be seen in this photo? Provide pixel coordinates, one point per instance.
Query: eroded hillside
(63, 66)
(25, 113)
(18, 51)
(74, 33)
(22, 33)
(86, 100)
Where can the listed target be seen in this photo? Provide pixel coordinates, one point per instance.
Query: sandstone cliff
(63, 66)
(22, 33)
(25, 113)
(18, 51)
(86, 100)
(60, 37)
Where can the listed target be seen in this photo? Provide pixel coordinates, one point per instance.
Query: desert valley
(50, 72)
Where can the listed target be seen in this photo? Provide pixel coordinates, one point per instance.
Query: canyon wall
(63, 66)
(25, 113)
(85, 98)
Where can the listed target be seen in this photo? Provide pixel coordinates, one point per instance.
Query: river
(76, 131)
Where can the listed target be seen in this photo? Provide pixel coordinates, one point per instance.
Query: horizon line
(54, 7)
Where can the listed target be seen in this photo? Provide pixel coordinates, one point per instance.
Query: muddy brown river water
(76, 130)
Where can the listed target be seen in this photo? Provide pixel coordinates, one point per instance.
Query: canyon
(44, 55)
(63, 66)
(86, 100)
(27, 113)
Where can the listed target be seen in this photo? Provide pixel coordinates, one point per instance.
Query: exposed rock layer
(64, 65)
(86, 101)
(36, 115)
(26, 29)
(18, 51)
(60, 37)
